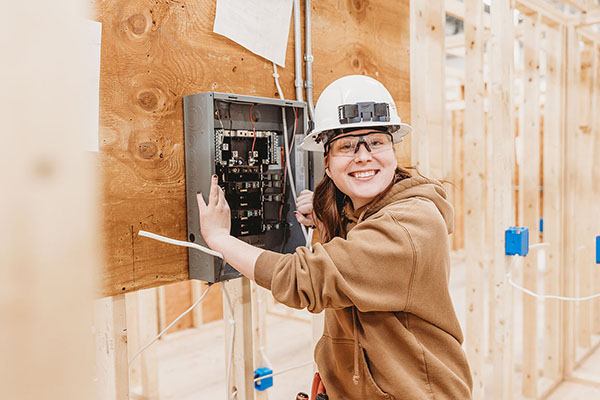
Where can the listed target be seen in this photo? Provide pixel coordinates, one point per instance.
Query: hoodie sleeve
(373, 268)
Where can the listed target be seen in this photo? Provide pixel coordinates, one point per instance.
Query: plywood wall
(156, 52)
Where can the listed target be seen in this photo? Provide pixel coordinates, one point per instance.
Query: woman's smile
(364, 175)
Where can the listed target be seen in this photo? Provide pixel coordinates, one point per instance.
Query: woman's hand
(215, 218)
(304, 207)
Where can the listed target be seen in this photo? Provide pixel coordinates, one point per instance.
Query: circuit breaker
(240, 139)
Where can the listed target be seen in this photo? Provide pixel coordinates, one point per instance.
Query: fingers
(222, 200)
(303, 219)
(200, 201)
(305, 195)
(213, 198)
(304, 209)
(304, 203)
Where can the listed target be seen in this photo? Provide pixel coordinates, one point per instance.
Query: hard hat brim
(309, 143)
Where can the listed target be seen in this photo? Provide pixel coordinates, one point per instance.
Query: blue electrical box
(263, 384)
(542, 225)
(597, 249)
(516, 241)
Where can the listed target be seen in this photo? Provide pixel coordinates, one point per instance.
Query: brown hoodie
(390, 328)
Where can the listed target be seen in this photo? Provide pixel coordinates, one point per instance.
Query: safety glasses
(347, 146)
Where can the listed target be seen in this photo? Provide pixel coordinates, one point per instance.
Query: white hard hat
(350, 103)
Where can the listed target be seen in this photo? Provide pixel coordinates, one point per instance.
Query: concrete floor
(192, 362)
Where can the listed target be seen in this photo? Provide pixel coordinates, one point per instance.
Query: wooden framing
(570, 80)
(259, 334)
(242, 375)
(142, 325)
(501, 131)
(584, 250)
(589, 18)
(529, 189)
(112, 371)
(552, 200)
(571, 133)
(596, 176)
(427, 87)
(474, 173)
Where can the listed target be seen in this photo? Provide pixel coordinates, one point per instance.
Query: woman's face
(363, 175)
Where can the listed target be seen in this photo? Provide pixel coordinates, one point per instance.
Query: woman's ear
(327, 166)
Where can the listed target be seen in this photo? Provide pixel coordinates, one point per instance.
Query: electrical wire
(253, 128)
(285, 163)
(140, 351)
(305, 233)
(231, 319)
(542, 296)
(261, 347)
(180, 243)
(284, 370)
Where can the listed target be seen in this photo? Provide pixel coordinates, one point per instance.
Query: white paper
(261, 26)
(93, 32)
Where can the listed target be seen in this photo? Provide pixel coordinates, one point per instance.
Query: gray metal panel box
(214, 123)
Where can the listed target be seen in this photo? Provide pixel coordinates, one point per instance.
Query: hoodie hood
(416, 186)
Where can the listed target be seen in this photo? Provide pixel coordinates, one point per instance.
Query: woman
(382, 273)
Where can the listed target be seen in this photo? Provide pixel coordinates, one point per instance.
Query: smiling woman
(385, 256)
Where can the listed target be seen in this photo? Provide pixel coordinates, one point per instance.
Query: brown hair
(329, 201)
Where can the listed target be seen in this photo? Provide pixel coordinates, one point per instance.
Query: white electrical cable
(305, 233)
(284, 370)
(261, 347)
(140, 351)
(539, 245)
(542, 296)
(231, 343)
(180, 243)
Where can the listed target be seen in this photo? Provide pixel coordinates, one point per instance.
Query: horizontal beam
(550, 14)
(581, 5)
(589, 18)
(456, 9)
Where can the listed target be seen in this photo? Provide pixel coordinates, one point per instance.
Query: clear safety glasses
(347, 146)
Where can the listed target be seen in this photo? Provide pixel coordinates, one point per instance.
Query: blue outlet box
(542, 225)
(516, 241)
(263, 384)
(597, 249)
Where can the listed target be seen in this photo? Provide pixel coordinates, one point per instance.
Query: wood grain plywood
(365, 37)
(156, 52)
(178, 298)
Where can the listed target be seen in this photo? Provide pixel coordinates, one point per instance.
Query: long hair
(329, 201)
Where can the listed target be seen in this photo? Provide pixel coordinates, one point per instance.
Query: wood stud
(474, 173)
(529, 190)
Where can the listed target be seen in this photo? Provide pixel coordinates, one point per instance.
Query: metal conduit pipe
(298, 80)
(308, 58)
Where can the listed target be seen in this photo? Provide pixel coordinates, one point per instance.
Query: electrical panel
(240, 139)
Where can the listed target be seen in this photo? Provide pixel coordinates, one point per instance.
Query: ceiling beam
(591, 17)
(550, 14)
(581, 5)
(456, 9)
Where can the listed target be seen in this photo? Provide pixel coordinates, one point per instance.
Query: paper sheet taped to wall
(261, 26)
